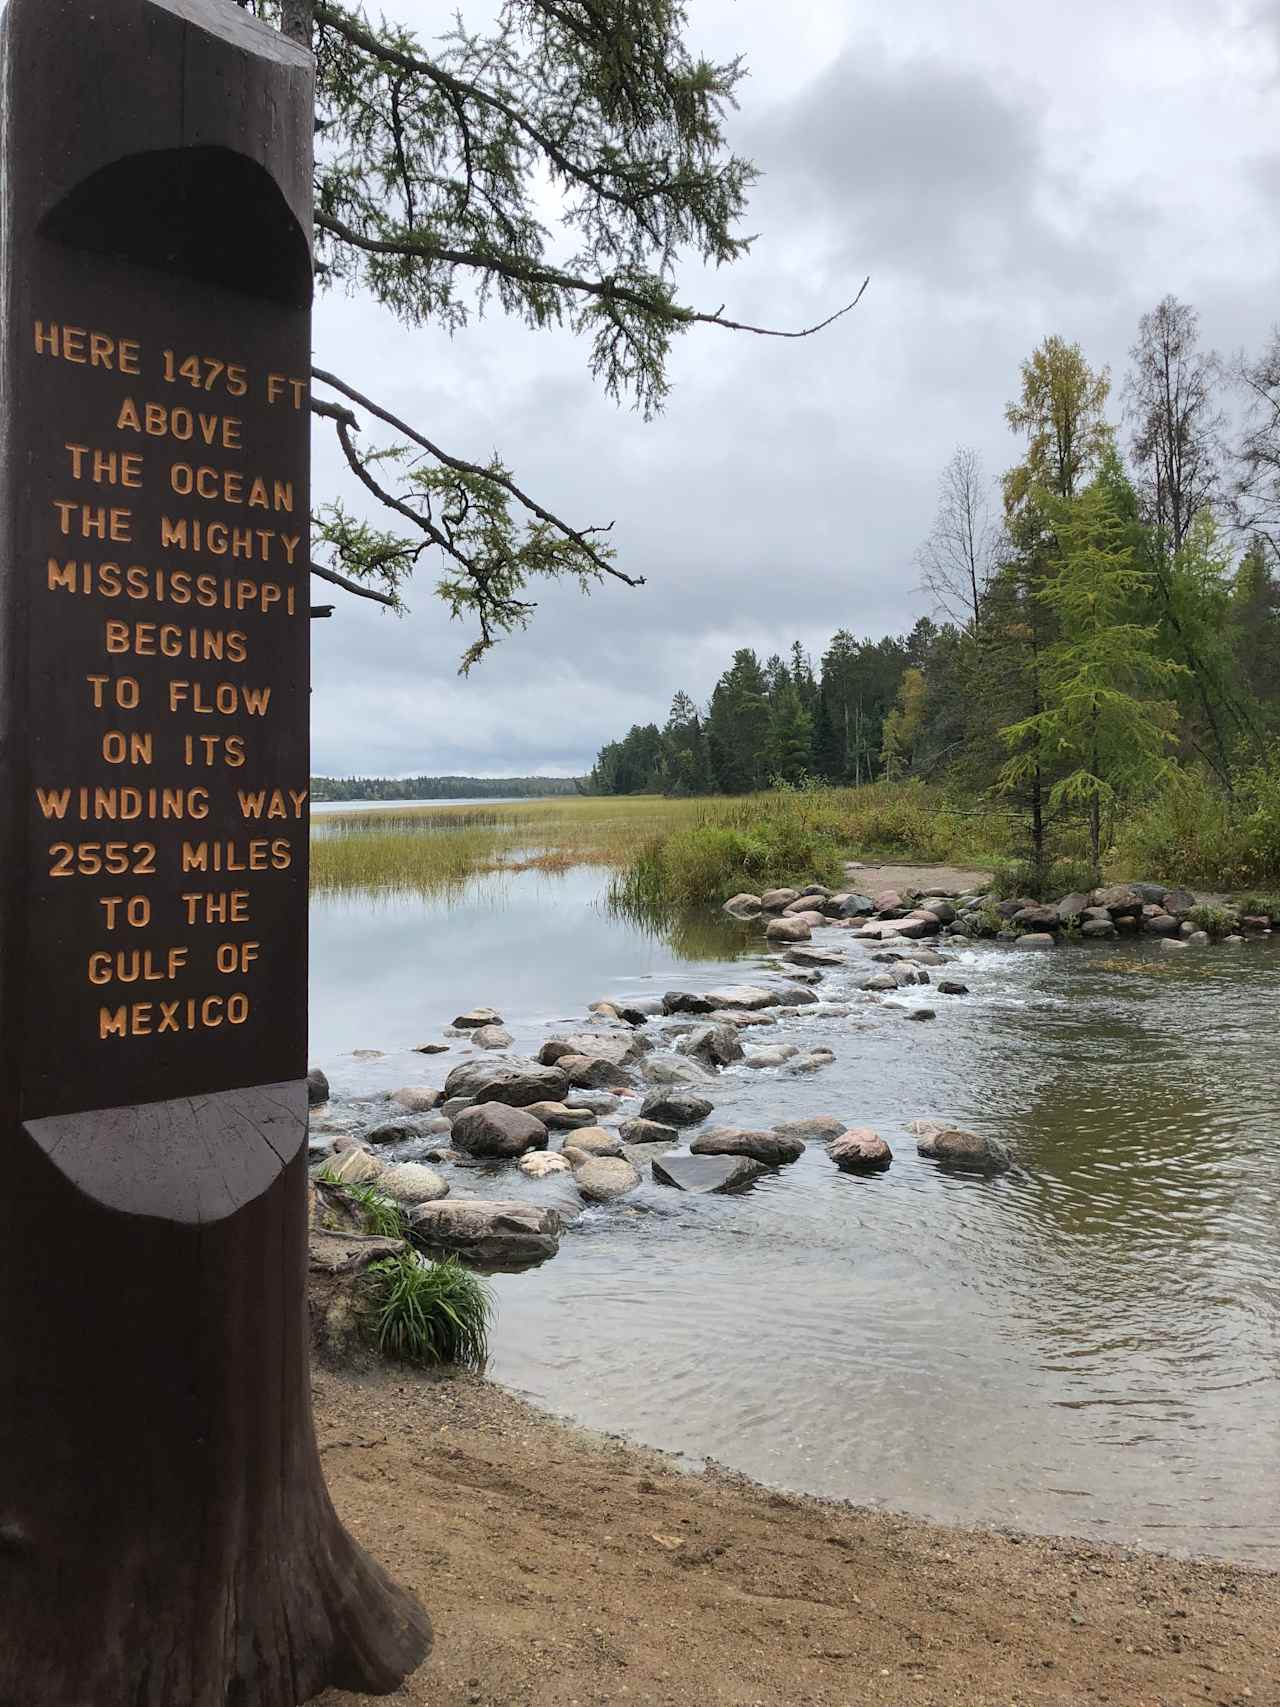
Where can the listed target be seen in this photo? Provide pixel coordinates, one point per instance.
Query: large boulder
(416, 1099)
(676, 1070)
(787, 930)
(623, 1048)
(774, 900)
(880, 983)
(771, 1148)
(647, 1132)
(317, 1088)
(590, 1073)
(1104, 928)
(539, 1164)
(1120, 900)
(810, 1061)
(1161, 924)
(685, 1002)
(968, 1151)
(492, 1037)
(560, 1117)
(941, 909)
(1152, 893)
(495, 1129)
(1037, 939)
(742, 906)
(413, 1182)
(402, 1129)
(860, 1150)
(772, 1055)
(504, 1234)
(1179, 902)
(603, 1178)
(707, 1173)
(1037, 919)
(792, 996)
(355, 1167)
(594, 1141)
(514, 1081)
(714, 1045)
(673, 1107)
(888, 903)
(817, 1129)
(746, 998)
(848, 906)
(1072, 907)
(804, 955)
(477, 1018)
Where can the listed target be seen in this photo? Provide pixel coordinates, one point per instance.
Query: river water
(1090, 1345)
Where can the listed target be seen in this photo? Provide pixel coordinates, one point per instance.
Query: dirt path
(873, 880)
(566, 1570)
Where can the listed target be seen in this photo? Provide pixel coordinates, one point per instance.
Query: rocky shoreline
(494, 1163)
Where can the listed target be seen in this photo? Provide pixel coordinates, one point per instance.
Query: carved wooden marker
(165, 1534)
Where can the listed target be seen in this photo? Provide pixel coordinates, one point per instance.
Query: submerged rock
(503, 1234)
(771, 1148)
(860, 1150)
(1036, 939)
(685, 1002)
(817, 1129)
(675, 1107)
(707, 1173)
(810, 1061)
(952, 987)
(399, 1131)
(959, 1149)
(495, 1129)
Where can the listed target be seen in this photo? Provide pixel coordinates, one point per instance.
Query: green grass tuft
(429, 1312)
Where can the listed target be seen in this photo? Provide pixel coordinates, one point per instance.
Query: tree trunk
(166, 1536)
(297, 20)
(166, 1539)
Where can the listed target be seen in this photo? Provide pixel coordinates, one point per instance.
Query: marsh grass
(677, 852)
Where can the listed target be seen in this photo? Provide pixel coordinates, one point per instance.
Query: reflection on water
(1090, 1345)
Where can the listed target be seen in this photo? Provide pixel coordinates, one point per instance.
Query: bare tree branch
(604, 290)
(350, 587)
(579, 537)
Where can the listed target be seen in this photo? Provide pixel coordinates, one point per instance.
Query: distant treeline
(1105, 636)
(439, 787)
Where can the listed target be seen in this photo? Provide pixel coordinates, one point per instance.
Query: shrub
(1061, 877)
(429, 1312)
(1218, 921)
(1193, 832)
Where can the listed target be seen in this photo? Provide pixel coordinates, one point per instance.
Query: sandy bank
(566, 1570)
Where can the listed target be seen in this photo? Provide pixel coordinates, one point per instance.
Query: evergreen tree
(738, 726)
(1100, 721)
(790, 742)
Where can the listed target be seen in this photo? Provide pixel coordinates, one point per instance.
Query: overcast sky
(1003, 169)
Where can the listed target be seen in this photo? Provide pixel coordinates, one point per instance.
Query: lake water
(1090, 1345)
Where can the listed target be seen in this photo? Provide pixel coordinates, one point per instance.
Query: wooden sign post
(165, 1535)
